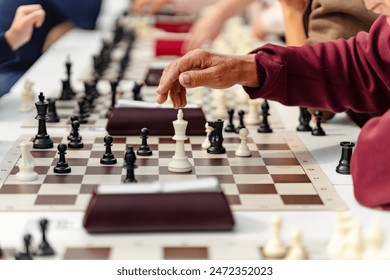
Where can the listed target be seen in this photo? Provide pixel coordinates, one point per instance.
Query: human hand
(27, 17)
(149, 6)
(204, 68)
(295, 5)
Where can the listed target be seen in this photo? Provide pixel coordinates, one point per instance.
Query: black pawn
(42, 139)
(137, 91)
(75, 142)
(230, 126)
(346, 153)
(62, 166)
(216, 138)
(144, 149)
(72, 119)
(264, 125)
(52, 116)
(317, 130)
(114, 84)
(241, 124)
(129, 165)
(304, 120)
(26, 255)
(44, 248)
(68, 65)
(108, 157)
(1, 253)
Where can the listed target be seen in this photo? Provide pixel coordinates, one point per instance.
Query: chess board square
(233, 199)
(59, 189)
(88, 189)
(269, 146)
(185, 253)
(17, 201)
(285, 169)
(55, 199)
(116, 140)
(211, 162)
(261, 200)
(222, 178)
(301, 199)
(147, 161)
(290, 178)
(276, 154)
(204, 154)
(297, 189)
(216, 170)
(232, 154)
(102, 253)
(281, 161)
(256, 189)
(43, 154)
(229, 189)
(79, 154)
(100, 179)
(11, 180)
(249, 169)
(104, 169)
(163, 170)
(73, 161)
(87, 147)
(20, 189)
(39, 169)
(147, 170)
(170, 153)
(63, 179)
(146, 178)
(196, 147)
(253, 179)
(243, 161)
(76, 170)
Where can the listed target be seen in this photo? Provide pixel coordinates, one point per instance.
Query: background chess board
(280, 175)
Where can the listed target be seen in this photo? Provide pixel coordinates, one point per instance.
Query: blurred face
(381, 7)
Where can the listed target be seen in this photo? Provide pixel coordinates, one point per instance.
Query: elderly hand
(153, 6)
(204, 68)
(27, 18)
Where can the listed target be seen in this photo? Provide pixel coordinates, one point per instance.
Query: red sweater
(345, 74)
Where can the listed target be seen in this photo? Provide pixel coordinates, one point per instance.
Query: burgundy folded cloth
(169, 47)
(174, 26)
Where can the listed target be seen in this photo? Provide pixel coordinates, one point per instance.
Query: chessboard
(280, 175)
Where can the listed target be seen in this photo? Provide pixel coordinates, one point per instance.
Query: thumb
(197, 78)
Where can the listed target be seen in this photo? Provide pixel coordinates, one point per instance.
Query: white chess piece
(340, 234)
(198, 95)
(26, 163)
(179, 162)
(296, 251)
(353, 248)
(28, 97)
(206, 143)
(220, 102)
(275, 248)
(373, 241)
(243, 149)
(241, 96)
(253, 116)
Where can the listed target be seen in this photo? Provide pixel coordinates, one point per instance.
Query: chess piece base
(264, 130)
(216, 151)
(42, 142)
(343, 169)
(108, 160)
(76, 145)
(144, 153)
(318, 132)
(28, 175)
(62, 169)
(304, 128)
(179, 165)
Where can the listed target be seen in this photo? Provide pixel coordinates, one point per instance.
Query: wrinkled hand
(154, 6)
(204, 68)
(26, 18)
(204, 31)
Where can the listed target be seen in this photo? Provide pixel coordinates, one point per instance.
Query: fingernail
(186, 78)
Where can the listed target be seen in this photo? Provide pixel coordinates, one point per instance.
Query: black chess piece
(317, 130)
(62, 166)
(304, 120)
(90, 93)
(1, 253)
(108, 157)
(241, 114)
(68, 65)
(344, 164)
(264, 125)
(52, 116)
(83, 111)
(42, 140)
(66, 93)
(230, 126)
(76, 141)
(44, 248)
(114, 84)
(72, 118)
(26, 255)
(137, 91)
(144, 149)
(216, 138)
(129, 165)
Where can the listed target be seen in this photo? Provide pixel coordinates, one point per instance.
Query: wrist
(247, 71)
(11, 40)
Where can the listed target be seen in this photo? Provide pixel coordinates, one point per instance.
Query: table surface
(46, 74)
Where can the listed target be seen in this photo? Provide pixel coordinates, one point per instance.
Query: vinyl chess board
(280, 175)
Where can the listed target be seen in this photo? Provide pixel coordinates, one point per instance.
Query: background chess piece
(26, 163)
(26, 254)
(42, 139)
(317, 129)
(28, 97)
(344, 164)
(44, 248)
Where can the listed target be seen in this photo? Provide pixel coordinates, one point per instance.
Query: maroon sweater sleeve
(345, 74)
(370, 164)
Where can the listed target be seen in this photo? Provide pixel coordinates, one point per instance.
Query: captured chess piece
(108, 157)
(42, 140)
(62, 166)
(243, 149)
(129, 165)
(206, 143)
(241, 124)
(44, 248)
(26, 163)
(304, 120)
(230, 126)
(275, 248)
(317, 130)
(216, 138)
(52, 116)
(26, 254)
(75, 142)
(179, 162)
(344, 164)
(144, 149)
(264, 125)
(252, 118)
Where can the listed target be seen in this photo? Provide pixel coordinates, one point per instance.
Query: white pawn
(243, 149)
(206, 143)
(28, 97)
(179, 162)
(253, 116)
(220, 109)
(275, 249)
(353, 248)
(340, 234)
(373, 241)
(26, 163)
(296, 251)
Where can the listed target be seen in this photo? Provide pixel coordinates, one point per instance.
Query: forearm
(190, 6)
(293, 25)
(6, 52)
(225, 9)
